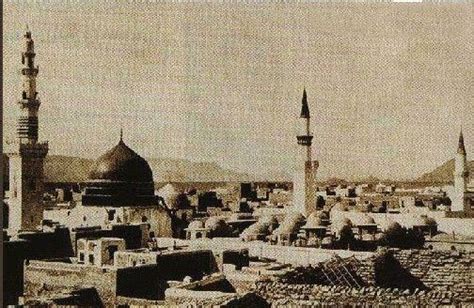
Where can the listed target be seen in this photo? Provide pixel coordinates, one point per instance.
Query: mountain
(443, 174)
(59, 168)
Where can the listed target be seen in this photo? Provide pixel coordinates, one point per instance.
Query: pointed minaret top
(461, 147)
(121, 135)
(304, 106)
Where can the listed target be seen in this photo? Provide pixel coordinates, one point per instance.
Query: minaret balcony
(29, 103)
(29, 53)
(39, 149)
(305, 140)
(30, 71)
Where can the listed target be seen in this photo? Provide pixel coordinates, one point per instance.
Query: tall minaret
(25, 206)
(461, 175)
(304, 199)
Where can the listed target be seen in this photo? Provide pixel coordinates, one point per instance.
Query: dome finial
(121, 134)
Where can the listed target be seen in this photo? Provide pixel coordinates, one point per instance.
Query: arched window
(144, 219)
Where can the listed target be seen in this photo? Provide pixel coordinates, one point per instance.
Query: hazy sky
(388, 85)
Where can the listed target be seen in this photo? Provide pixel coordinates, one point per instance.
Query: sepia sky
(388, 85)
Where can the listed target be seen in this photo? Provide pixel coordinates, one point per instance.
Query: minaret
(461, 175)
(304, 200)
(29, 104)
(27, 154)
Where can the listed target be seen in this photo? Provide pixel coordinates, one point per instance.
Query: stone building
(26, 154)
(99, 252)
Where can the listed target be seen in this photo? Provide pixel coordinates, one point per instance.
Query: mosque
(120, 188)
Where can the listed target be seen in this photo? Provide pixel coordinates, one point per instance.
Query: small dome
(339, 207)
(429, 221)
(196, 224)
(217, 226)
(342, 222)
(393, 226)
(256, 229)
(367, 220)
(294, 217)
(268, 220)
(313, 221)
(326, 241)
(214, 222)
(121, 164)
(323, 215)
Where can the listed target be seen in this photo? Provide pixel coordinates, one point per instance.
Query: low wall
(296, 256)
(178, 296)
(301, 256)
(48, 278)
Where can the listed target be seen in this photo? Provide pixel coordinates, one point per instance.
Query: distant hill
(442, 174)
(59, 168)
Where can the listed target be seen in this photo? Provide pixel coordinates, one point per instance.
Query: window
(111, 214)
(144, 219)
(81, 257)
(112, 249)
(91, 259)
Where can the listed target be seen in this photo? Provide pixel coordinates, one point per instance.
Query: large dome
(121, 164)
(120, 177)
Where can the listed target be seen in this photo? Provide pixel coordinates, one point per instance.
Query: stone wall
(284, 295)
(436, 270)
(43, 279)
(441, 270)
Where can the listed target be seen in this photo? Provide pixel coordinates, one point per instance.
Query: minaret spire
(461, 147)
(304, 106)
(459, 202)
(121, 134)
